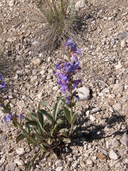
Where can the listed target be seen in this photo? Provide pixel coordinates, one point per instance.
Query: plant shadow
(95, 132)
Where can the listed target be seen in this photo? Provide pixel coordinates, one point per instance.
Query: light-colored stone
(113, 155)
(96, 109)
(123, 43)
(58, 163)
(117, 106)
(115, 143)
(92, 118)
(11, 3)
(83, 93)
(20, 151)
(124, 139)
(80, 4)
(89, 162)
(74, 164)
(123, 35)
(18, 162)
(59, 168)
(36, 61)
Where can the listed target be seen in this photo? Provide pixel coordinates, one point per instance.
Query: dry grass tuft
(58, 18)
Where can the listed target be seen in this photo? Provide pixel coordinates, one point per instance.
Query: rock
(123, 43)
(55, 88)
(92, 118)
(11, 3)
(40, 95)
(20, 105)
(118, 89)
(89, 162)
(96, 109)
(37, 169)
(80, 4)
(74, 164)
(117, 106)
(3, 138)
(82, 164)
(100, 156)
(83, 93)
(108, 144)
(36, 61)
(2, 168)
(118, 66)
(113, 155)
(125, 107)
(115, 143)
(33, 79)
(11, 166)
(59, 168)
(58, 163)
(49, 59)
(124, 139)
(20, 151)
(18, 162)
(123, 35)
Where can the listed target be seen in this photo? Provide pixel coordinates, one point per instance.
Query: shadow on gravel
(89, 132)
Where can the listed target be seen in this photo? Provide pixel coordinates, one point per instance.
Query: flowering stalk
(65, 72)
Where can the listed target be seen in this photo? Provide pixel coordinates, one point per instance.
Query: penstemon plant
(52, 132)
(65, 72)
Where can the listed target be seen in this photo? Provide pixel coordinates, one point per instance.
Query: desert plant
(51, 134)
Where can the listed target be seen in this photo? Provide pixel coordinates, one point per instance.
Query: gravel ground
(102, 141)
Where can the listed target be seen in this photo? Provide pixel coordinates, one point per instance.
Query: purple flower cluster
(65, 71)
(9, 117)
(2, 85)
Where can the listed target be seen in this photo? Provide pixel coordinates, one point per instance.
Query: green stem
(70, 132)
(28, 135)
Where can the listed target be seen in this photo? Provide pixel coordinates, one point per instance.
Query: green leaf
(56, 108)
(33, 123)
(45, 104)
(7, 108)
(47, 115)
(42, 146)
(30, 164)
(74, 127)
(27, 128)
(66, 140)
(15, 122)
(34, 117)
(19, 138)
(74, 117)
(29, 141)
(63, 130)
(67, 113)
(46, 154)
(40, 115)
(26, 118)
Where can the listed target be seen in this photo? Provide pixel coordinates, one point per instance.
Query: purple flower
(0, 77)
(76, 83)
(7, 118)
(73, 47)
(72, 67)
(59, 66)
(67, 100)
(21, 116)
(63, 150)
(2, 105)
(3, 85)
(63, 89)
